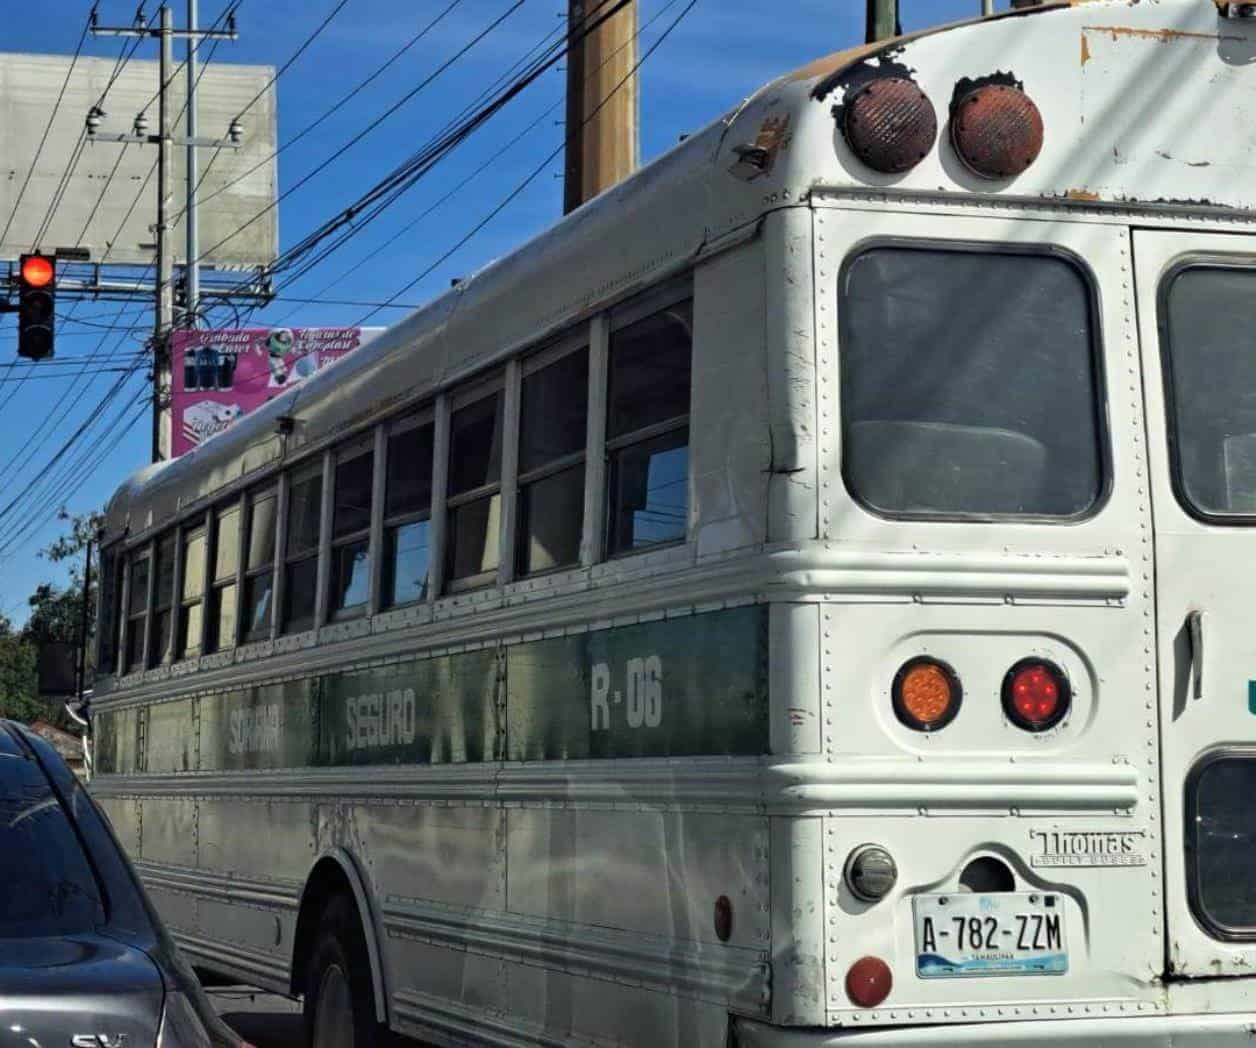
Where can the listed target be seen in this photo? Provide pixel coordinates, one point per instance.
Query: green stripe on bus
(689, 686)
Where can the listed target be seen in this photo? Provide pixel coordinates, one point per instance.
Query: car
(84, 959)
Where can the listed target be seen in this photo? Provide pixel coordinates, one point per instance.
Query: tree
(56, 615)
(18, 692)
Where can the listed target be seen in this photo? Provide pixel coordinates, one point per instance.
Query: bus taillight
(1036, 695)
(926, 694)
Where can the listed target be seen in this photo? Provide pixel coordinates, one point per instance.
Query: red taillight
(1036, 695)
(869, 981)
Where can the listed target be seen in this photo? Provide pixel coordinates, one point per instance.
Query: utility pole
(602, 116)
(163, 320)
(882, 20)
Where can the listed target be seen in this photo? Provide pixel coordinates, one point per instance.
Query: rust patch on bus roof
(1162, 36)
(1085, 196)
(1085, 49)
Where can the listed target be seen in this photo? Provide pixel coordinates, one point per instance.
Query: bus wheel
(339, 1005)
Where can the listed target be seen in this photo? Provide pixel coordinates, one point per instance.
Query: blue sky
(720, 52)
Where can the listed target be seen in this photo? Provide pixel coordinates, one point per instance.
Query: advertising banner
(220, 376)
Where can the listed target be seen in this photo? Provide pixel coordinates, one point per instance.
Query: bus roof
(1144, 107)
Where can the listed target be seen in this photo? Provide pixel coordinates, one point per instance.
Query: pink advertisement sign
(220, 376)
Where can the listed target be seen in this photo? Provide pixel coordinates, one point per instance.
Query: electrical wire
(571, 133)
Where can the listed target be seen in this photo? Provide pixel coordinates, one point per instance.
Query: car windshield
(49, 887)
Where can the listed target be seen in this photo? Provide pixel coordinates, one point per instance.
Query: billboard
(220, 376)
(92, 211)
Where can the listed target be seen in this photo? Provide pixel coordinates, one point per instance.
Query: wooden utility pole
(882, 20)
(602, 99)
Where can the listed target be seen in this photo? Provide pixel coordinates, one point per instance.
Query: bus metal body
(614, 802)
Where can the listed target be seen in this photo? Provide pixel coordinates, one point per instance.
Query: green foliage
(56, 615)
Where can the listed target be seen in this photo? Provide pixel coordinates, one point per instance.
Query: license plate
(1009, 933)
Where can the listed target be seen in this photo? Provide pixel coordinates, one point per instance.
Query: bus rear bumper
(1158, 1031)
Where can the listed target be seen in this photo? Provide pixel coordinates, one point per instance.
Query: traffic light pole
(163, 321)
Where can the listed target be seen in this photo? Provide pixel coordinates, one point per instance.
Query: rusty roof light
(890, 124)
(997, 130)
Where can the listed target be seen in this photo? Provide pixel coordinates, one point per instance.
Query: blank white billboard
(92, 212)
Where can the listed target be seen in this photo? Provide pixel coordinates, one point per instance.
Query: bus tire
(338, 999)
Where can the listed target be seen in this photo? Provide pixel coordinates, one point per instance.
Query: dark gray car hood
(55, 989)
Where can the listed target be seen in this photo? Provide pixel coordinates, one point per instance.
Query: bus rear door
(1197, 319)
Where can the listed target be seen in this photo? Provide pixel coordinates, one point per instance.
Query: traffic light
(36, 306)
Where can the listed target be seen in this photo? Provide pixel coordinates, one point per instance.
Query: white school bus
(803, 597)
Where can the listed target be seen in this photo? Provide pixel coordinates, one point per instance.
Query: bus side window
(970, 383)
(305, 510)
(220, 621)
(191, 617)
(163, 601)
(475, 470)
(351, 527)
(647, 430)
(137, 610)
(408, 511)
(259, 578)
(111, 562)
(554, 413)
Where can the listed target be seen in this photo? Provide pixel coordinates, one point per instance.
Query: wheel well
(326, 881)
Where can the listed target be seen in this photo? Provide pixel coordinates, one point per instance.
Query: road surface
(268, 1020)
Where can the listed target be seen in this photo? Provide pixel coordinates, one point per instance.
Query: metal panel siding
(730, 437)
(172, 739)
(713, 673)
(271, 840)
(169, 831)
(449, 855)
(437, 711)
(272, 726)
(124, 816)
(117, 741)
(654, 872)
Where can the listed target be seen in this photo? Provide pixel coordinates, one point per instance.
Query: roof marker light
(997, 130)
(890, 124)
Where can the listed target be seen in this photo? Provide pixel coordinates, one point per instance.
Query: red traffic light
(37, 271)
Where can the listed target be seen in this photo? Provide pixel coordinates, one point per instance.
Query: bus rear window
(969, 384)
(1207, 313)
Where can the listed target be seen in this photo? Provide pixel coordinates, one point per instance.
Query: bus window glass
(1208, 313)
(475, 445)
(648, 430)
(256, 612)
(221, 617)
(553, 432)
(109, 596)
(190, 615)
(163, 599)
(475, 455)
(351, 523)
(968, 384)
(137, 605)
(305, 507)
(261, 532)
(407, 512)
(407, 555)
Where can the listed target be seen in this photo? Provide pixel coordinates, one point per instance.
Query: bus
(799, 599)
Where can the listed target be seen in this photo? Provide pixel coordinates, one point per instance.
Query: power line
(386, 192)
(361, 85)
(570, 133)
(487, 165)
(344, 147)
